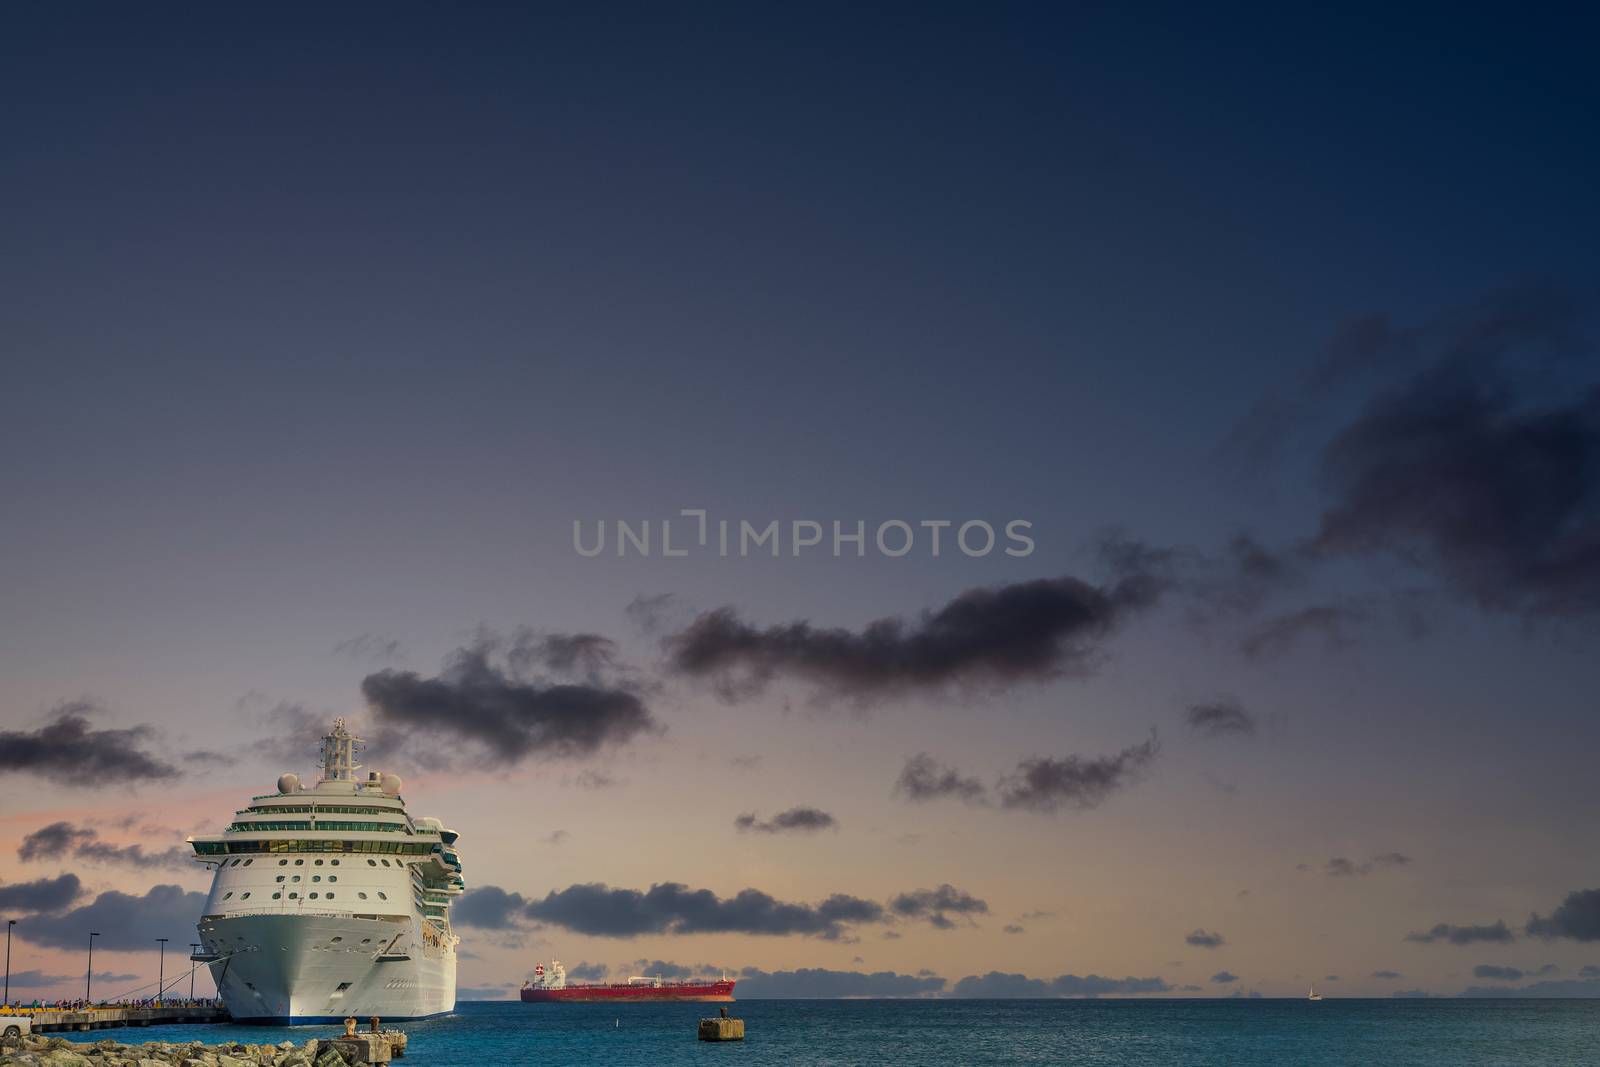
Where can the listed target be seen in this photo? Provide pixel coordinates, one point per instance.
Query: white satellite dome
(391, 783)
(288, 782)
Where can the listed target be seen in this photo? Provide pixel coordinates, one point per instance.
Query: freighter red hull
(702, 991)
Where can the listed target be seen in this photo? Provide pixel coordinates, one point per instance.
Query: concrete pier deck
(51, 1020)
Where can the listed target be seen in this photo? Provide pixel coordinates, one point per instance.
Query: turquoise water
(1235, 1033)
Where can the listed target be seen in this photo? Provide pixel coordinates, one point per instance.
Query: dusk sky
(323, 326)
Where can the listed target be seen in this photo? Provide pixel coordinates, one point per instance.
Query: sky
(333, 338)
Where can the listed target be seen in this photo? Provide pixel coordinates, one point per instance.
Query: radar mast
(339, 754)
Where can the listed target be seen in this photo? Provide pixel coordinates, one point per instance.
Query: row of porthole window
(318, 863)
(236, 863)
(296, 896)
(314, 878)
(314, 863)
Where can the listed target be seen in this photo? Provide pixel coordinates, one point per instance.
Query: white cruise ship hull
(305, 968)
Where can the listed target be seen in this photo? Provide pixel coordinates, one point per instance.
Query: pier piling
(722, 1028)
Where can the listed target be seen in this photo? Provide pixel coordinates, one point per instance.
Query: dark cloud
(1030, 631)
(936, 905)
(645, 967)
(1589, 970)
(923, 778)
(126, 923)
(1387, 976)
(33, 979)
(555, 837)
(68, 750)
(44, 894)
(370, 647)
(292, 731)
(650, 613)
(1333, 623)
(1340, 867)
(589, 778)
(1012, 928)
(49, 842)
(598, 910)
(1497, 973)
(209, 756)
(1214, 586)
(1481, 469)
(488, 907)
(819, 982)
(799, 820)
(1219, 718)
(1559, 987)
(1463, 935)
(588, 972)
(1042, 783)
(1578, 917)
(1357, 348)
(1205, 939)
(485, 992)
(998, 985)
(508, 714)
(1076, 782)
(61, 840)
(589, 657)
(1224, 977)
(663, 969)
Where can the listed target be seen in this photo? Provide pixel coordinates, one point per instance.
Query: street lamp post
(161, 972)
(88, 978)
(7, 998)
(193, 948)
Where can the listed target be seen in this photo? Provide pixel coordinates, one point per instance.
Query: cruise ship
(330, 901)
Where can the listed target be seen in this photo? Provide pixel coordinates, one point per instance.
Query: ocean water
(845, 1033)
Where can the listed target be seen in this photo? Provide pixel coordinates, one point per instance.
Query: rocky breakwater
(40, 1051)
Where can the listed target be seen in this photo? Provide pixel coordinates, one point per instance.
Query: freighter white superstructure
(330, 901)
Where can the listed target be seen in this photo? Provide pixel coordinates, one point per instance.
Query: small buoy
(618, 1023)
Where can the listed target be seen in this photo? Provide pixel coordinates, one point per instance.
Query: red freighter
(547, 986)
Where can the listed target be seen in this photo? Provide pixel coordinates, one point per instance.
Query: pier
(51, 1020)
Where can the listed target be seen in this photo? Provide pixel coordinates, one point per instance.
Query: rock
(65, 1057)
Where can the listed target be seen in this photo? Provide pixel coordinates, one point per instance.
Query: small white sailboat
(1313, 995)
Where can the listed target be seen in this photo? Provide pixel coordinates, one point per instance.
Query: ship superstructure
(330, 900)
